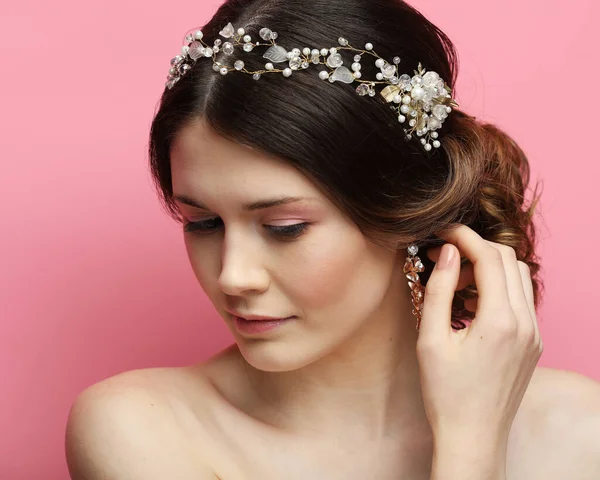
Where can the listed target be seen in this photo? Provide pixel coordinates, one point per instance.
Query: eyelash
(287, 232)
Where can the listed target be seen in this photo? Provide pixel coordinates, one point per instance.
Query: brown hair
(353, 147)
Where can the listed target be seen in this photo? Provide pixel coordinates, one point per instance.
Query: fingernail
(446, 257)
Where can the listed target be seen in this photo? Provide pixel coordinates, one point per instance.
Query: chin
(275, 356)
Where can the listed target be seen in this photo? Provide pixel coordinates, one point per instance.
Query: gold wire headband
(423, 100)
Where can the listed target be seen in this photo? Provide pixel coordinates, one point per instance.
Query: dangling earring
(412, 267)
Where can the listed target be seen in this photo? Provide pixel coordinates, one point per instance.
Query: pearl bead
(401, 118)
(356, 67)
(296, 51)
(241, 31)
(427, 147)
(223, 71)
(247, 38)
(436, 143)
(306, 51)
(369, 46)
(379, 76)
(287, 72)
(199, 35)
(324, 52)
(323, 74)
(357, 74)
(406, 100)
(379, 63)
(314, 52)
(397, 98)
(405, 109)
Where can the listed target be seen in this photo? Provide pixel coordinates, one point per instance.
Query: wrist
(469, 458)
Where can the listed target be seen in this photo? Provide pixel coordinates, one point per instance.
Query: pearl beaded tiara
(422, 101)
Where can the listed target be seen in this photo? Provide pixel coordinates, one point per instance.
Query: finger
(436, 317)
(466, 278)
(514, 281)
(488, 267)
(528, 289)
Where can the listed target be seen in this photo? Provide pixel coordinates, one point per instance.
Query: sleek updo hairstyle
(353, 148)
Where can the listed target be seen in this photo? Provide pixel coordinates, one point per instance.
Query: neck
(367, 388)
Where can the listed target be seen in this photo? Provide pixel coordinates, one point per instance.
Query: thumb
(439, 293)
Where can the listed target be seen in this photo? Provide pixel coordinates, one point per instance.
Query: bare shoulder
(560, 428)
(136, 425)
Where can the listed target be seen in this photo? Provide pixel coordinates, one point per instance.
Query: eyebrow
(249, 207)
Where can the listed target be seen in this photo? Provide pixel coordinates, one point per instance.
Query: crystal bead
(274, 35)
(343, 42)
(362, 89)
(315, 59)
(405, 82)
(223, 71)
(413, 250)
(296, 52)
(357, 58)
(388, 70)
(295, 63)
(218, 42)
(185, 49)
(208, 52)
(265, 33)
(239, 65)
(247, 38)
(256, 76)
(305, 64)
(356, 67)
(372, 92)
(396, 60)
(248, 47)
(228, 48)
(394, 80)
(216, 67)
(177, 59)
(412, 123)
(189, 37)
(416, 80)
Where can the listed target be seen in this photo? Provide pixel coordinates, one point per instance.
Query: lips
(259, 318)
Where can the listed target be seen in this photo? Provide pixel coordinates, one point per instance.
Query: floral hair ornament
(422, 101)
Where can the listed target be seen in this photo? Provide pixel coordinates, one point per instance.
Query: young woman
(315, 156)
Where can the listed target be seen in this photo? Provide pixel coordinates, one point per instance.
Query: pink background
(94, 278)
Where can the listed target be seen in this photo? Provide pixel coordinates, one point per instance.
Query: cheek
(335, 270)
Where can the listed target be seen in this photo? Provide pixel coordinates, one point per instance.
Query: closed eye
(207, 227)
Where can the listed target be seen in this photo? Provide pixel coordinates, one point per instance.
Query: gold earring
(412, 267)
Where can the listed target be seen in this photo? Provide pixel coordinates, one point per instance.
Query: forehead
(204, 161)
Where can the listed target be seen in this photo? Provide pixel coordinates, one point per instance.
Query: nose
(242, 271)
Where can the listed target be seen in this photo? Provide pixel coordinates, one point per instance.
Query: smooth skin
(349, 390)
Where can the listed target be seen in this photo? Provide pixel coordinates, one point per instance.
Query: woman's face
(323, 270)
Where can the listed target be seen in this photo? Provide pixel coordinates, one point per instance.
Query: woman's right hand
(474, 380)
